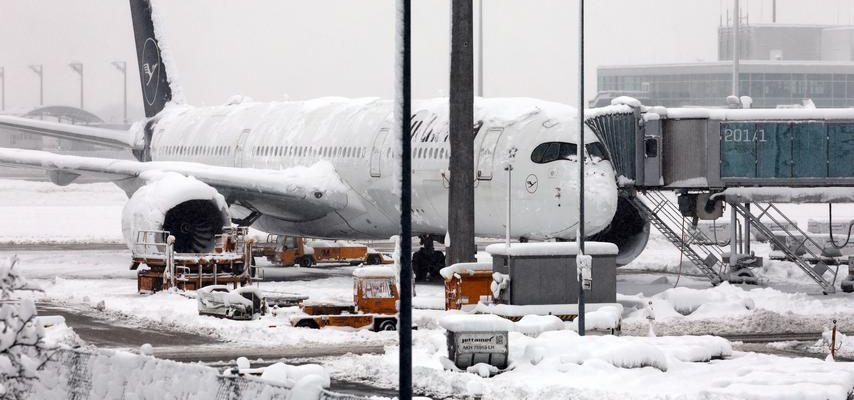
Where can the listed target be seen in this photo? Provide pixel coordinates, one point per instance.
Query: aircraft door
(377, 152)
(486, 155)
(238, 148)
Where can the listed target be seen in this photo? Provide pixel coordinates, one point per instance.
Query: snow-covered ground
(561, 365)
(41, 212)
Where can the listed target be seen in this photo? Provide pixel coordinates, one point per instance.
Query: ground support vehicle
(162, 268)
(242, 304)
(375, 304)
(292, 250)
(467, 284)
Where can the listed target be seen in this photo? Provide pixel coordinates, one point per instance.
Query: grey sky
(269, 49)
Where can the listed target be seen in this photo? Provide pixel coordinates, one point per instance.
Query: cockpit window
(597, 150)
(553, 151)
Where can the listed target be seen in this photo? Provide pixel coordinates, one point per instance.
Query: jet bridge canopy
(687, 148)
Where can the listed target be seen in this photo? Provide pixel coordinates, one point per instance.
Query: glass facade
(768, 90)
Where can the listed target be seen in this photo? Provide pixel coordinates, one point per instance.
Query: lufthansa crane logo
(531, 183)
(150, 70)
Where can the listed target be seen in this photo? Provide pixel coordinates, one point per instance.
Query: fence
(84, 375)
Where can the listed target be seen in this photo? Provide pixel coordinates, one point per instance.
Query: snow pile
(629, 101)
(605, 318)
(305, 381)
(534, 325)
(22, 346)
(118, 374)
(499, 285)
(688, 301)
(561, 364)
(566, 347)
(729, 309)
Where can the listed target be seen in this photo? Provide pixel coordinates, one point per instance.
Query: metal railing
(74, 374)
(665, 216)
(150, 243)
(793, 253)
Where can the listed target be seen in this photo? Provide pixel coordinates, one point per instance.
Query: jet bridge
(750, 159)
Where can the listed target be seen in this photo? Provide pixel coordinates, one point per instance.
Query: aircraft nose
(600, 198)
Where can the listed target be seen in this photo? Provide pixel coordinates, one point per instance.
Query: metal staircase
(664, 215)
(784, 224)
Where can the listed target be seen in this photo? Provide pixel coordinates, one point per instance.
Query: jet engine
(629, 230)
(190, 210)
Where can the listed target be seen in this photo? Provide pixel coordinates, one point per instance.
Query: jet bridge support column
(733, 237)
(746, 237)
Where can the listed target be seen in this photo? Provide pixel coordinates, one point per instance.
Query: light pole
(580, 237)
(402, 114)
(39, 70)
(122, 66)
(736, 26)
(480, 48)
(78, 68)
(2, 88)
(511, 156)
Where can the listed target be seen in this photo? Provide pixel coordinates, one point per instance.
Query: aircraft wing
(104, 137)
(311, 191)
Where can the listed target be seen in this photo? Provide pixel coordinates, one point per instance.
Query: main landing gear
(426, 262)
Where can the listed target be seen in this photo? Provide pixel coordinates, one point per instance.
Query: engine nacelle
(189, 209)
(629, 230)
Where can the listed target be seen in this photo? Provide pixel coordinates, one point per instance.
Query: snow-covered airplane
(325, 167)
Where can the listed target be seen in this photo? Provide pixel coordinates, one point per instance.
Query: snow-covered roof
(476, 323)
(551, 249)
(464, 269)
(739, 114)
(375, 272)
(509, 310)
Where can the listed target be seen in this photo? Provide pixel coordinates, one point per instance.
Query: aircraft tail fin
(156, 91)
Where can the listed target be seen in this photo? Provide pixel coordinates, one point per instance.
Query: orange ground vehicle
(292, 250)
(466, 284)
(375, 304)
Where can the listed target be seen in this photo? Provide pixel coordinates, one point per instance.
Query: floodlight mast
(122, 66)
(39, 70)
(78, 68)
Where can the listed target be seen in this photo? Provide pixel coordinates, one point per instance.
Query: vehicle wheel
(374, 259)
(306, 261)
(307, 323)
(387, 325)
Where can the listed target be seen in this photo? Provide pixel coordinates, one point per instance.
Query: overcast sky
(298, 49)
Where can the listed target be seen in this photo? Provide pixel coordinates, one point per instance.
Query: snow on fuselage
(355, 135)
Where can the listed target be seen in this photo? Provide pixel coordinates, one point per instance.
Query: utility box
(466, 284)
(475, 339)
(545, 273)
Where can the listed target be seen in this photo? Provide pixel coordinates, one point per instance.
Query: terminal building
(780, 66)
